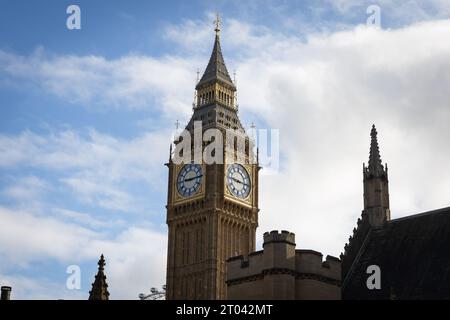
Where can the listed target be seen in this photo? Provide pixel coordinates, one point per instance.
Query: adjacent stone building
(280, 271)
(411, 254)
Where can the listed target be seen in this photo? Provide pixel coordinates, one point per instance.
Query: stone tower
(212, 207)
(100, 287)
(376, 209)
(376, 191)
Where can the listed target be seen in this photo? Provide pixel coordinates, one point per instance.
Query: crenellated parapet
(279, 237)
(280, 271)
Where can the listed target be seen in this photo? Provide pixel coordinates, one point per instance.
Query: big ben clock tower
(212, 208)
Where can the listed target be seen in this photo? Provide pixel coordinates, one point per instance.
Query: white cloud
(88, 220)
(136, 261)
(129, 82)
(69, 149)
(34, 288)
(192, 35)
(26, 188)
(25, 237)
(323, 94)
(99, 168)
(135, 256)
(402, 11)
(101, 194)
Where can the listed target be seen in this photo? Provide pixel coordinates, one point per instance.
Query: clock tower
(212, 206)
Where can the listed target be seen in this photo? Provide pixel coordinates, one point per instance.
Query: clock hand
(190, 179)
(239, 181)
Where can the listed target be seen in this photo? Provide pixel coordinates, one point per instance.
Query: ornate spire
(375, 167)
(100, 287)
(376, 186)
(216, 69)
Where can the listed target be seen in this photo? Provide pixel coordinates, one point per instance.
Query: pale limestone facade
(281, 272)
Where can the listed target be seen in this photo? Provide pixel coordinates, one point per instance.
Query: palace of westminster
(212, 216)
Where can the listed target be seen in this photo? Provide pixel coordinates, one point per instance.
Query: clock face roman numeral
(189, 180)
(238, 181)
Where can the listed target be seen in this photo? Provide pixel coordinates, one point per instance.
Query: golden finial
(217, 22)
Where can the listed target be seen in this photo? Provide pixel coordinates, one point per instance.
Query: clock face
(238, 181)
(189, 180)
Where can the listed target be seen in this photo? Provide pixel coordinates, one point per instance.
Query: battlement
(279, 237)
(311, 262)
(300, 260)
(279, 262)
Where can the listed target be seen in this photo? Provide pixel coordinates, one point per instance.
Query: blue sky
(87, 116)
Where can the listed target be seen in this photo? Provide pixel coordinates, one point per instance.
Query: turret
(376, 206)
(376, 191)
(279, 249)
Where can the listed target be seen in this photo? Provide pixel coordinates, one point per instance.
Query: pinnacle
(100, 287)
(375, 166)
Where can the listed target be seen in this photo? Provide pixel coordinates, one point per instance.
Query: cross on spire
(216, 68)
(217, 23)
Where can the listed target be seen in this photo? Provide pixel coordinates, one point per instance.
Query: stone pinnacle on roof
(100, 287)
(375, 166)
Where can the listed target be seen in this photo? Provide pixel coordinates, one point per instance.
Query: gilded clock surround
(177, 197)
(247, 201)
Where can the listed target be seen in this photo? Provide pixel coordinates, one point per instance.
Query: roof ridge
(422, 214)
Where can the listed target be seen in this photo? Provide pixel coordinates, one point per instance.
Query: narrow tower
(376, 191)
(375, 213)
(212, 207)
(100, 287)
